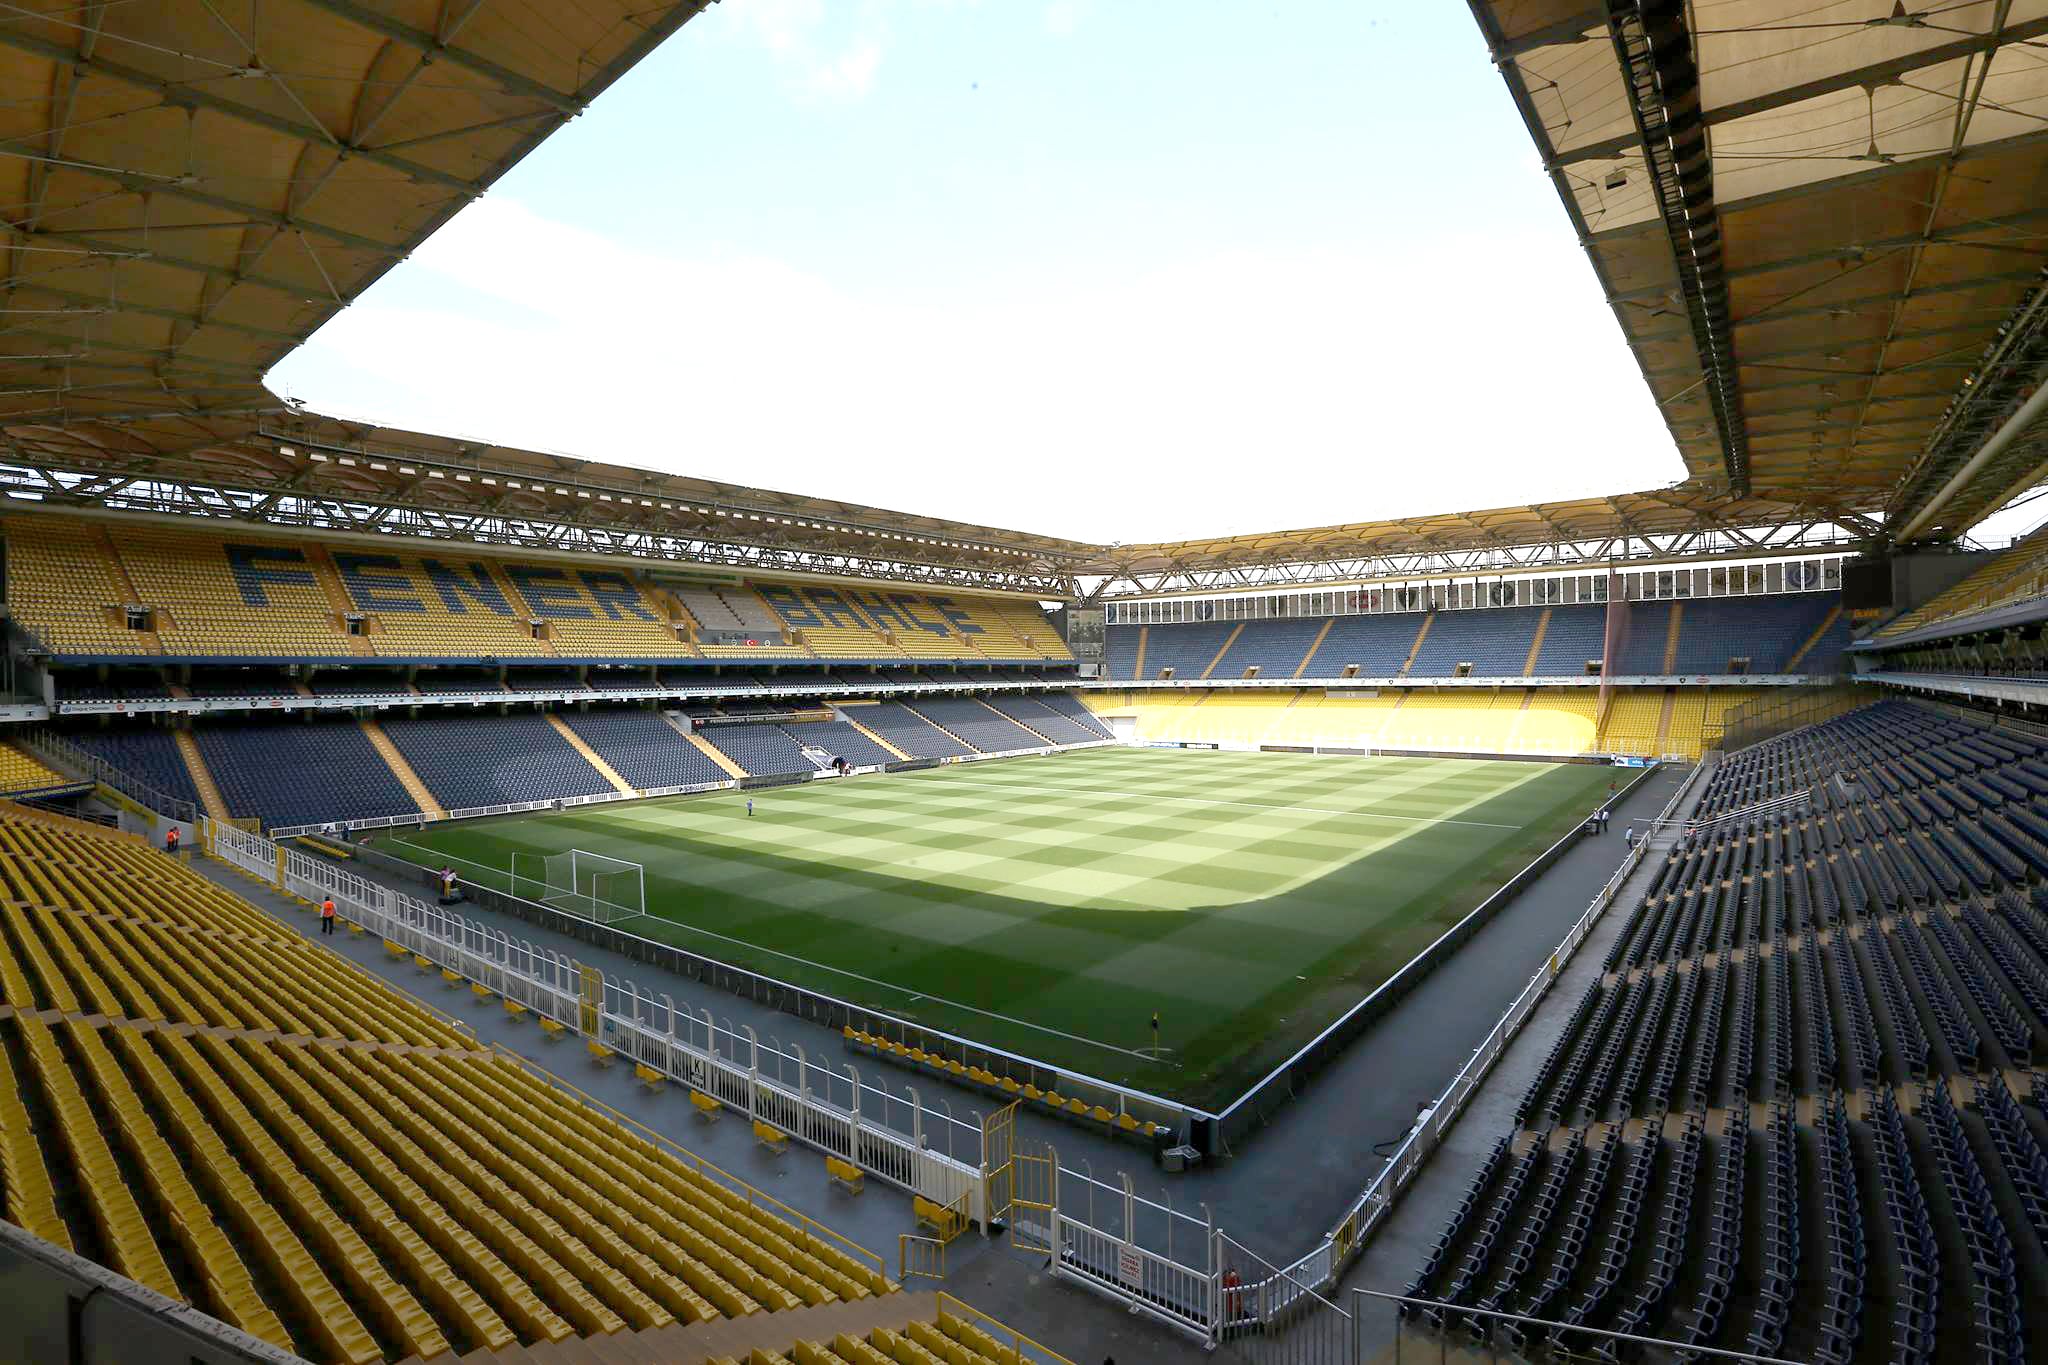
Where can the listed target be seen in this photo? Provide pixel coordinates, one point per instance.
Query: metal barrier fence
(489, 888)
(838, 1115)
(64, 754)
(1123, 1247)
(1272, 1316)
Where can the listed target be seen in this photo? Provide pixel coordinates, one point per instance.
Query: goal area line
(501, 874)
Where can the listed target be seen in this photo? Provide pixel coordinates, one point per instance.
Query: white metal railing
(1148, 1282)
(63, 753)
(838, 1114)
(1802, 797)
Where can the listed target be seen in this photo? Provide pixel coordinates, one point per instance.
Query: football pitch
(1047, 906)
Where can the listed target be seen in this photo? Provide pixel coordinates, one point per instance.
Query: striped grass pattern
(1048, 906)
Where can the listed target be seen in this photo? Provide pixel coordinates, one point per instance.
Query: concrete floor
(1276, 1195)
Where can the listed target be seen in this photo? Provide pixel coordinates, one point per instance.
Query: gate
(998, 1173)
(592, 1001)
(1035, 1190)
(916, 1255)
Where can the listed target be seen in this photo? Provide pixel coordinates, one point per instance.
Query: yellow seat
(771, 1137)
(552, 1029)
(649, 1077)
(707, 1107)
(599, 1053)
(513, 1008)
(845, 1174)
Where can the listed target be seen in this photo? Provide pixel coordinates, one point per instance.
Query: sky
(1119, 270)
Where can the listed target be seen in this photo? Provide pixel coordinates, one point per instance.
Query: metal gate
(998, 1174)
(593, 1000)
(1035, 1191)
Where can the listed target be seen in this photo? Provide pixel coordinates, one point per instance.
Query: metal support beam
(185, 96)
(1654, 47)
(504, 78)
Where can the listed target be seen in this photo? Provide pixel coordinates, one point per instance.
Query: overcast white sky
(1116, 271)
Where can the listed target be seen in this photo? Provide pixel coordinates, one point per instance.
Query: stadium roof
(1820, 227)
(295, 467)
(194, 186)
(1809, 260)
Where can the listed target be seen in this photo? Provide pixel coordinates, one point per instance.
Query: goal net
(592, 885)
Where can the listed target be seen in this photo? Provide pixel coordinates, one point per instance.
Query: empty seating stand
(643, 748)
(200, 594)
(471, 761)
(298, 772)
(911, 732)
(325, 1163)
(764, 750)
(1864, 956)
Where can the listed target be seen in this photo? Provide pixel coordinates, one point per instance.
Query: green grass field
(1048, 905)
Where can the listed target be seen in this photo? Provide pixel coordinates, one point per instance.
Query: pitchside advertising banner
(1627, 761)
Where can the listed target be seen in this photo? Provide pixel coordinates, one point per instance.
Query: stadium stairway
(151, 643)
(517, 599)
(1820, 633)
(972, 748)
(1671, 637)
(709, 750)
(202, 781)
(1229, 640)
(1022, 723)
(850, 718)
(1138, 665)
(329, 579)
(1301, 669)
(1536, 645)
(591, 756)
(402, 770)
(1428, 620)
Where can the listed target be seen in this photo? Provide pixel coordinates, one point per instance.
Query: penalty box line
(1140, 1054)
(1155, 799)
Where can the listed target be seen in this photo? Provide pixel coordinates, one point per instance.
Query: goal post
(594, 886)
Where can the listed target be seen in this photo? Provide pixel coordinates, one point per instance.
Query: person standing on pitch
(750, 808)
(1155, 1030)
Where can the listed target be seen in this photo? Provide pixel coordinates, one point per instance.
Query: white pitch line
(1154, 798)
(836, 971)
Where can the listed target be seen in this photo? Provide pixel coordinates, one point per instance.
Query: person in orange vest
(327, 915)
(171, 841)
